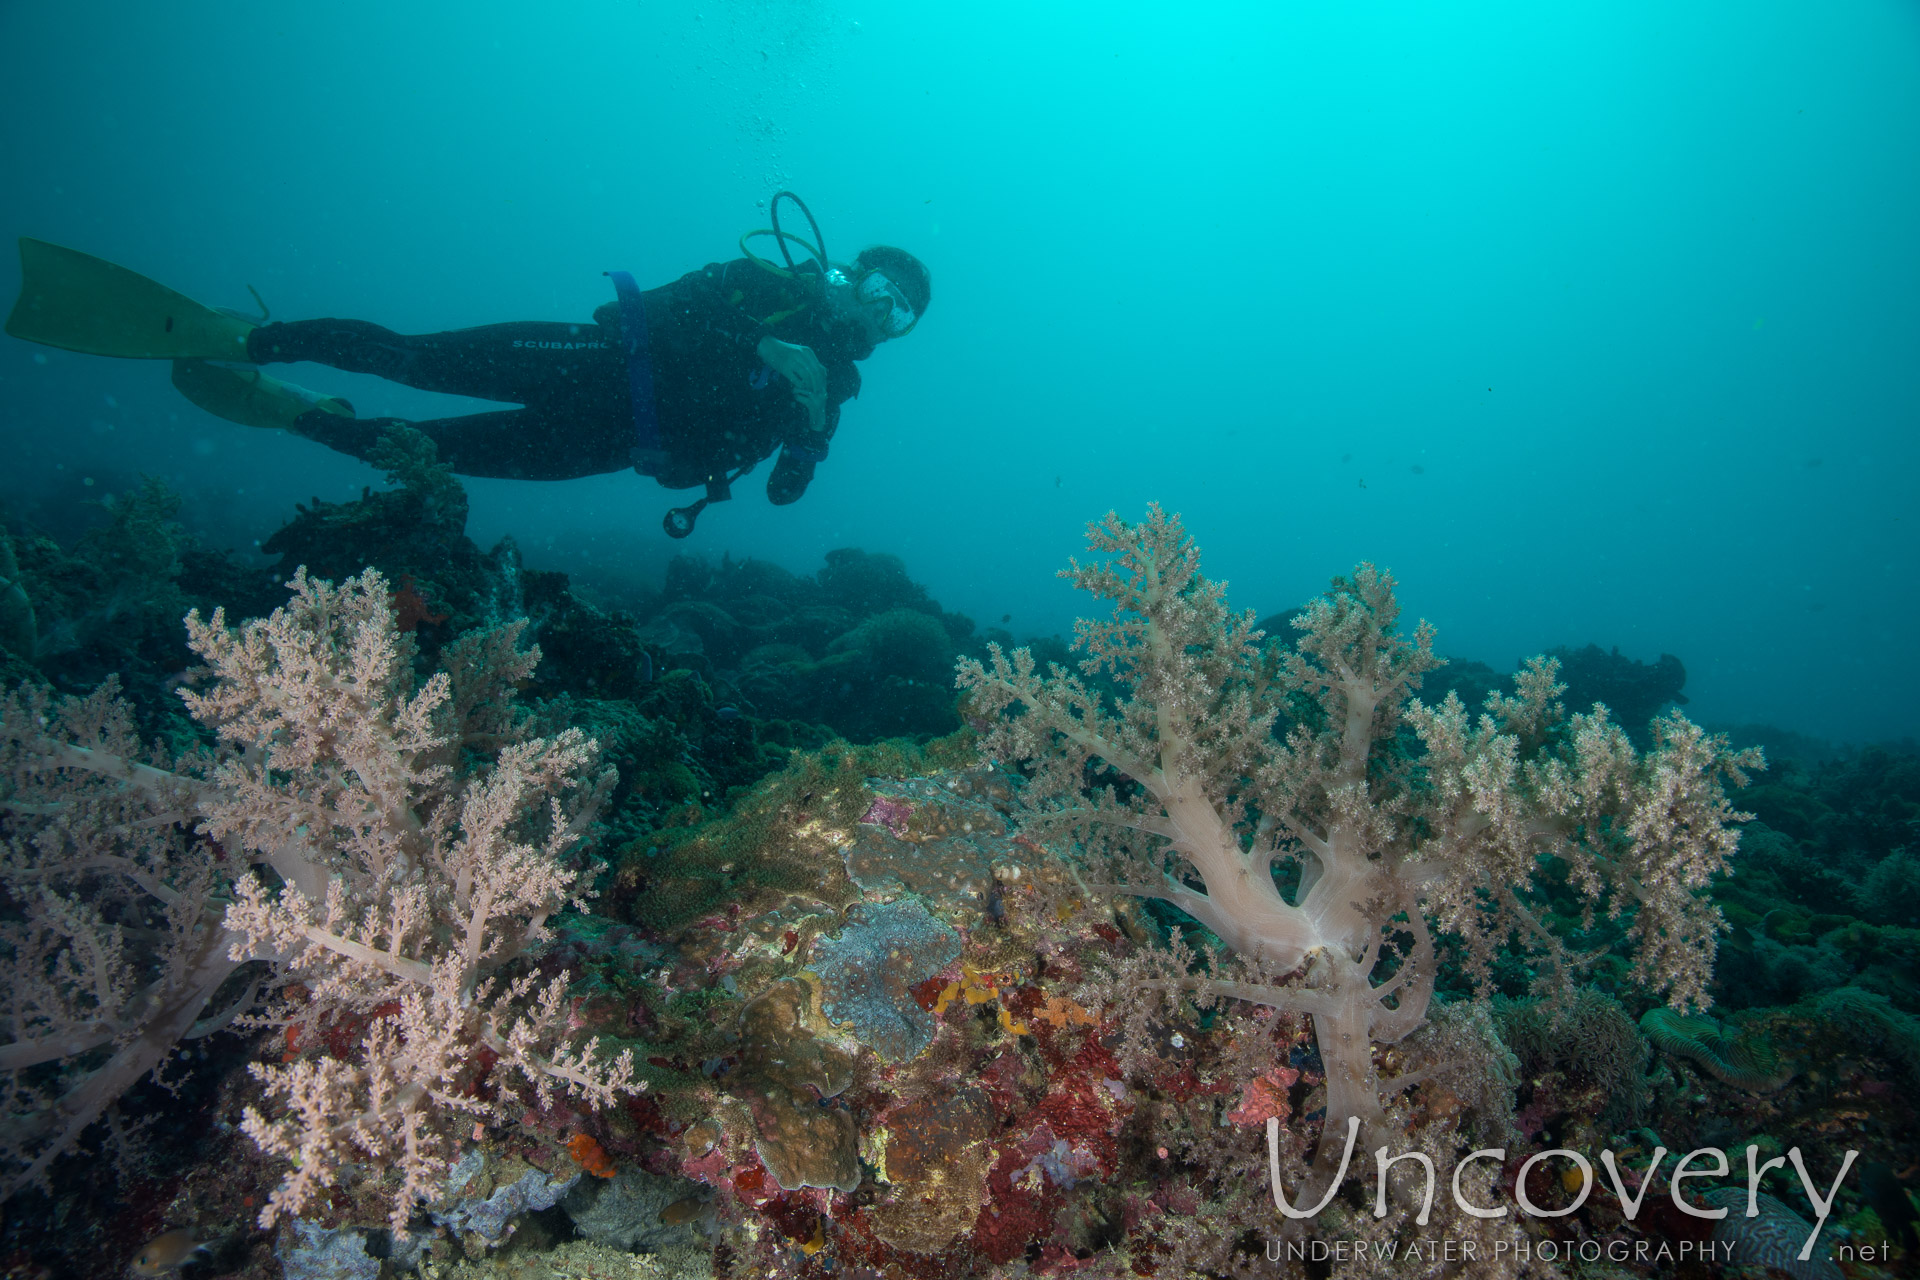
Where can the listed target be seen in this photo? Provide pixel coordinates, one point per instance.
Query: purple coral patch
(890, 813)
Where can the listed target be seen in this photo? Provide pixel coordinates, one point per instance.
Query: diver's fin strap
(647, 453)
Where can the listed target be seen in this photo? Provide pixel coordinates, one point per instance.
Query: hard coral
(784, 837)
(935, 837)
(786, 1074)
(1743, 1063)
(1773, 1238)
(870, 970)
(937, 1156)
(1591, 1038)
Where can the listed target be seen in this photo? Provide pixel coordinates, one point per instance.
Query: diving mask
(875, 300)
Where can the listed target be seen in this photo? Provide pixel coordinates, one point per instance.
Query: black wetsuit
(719, 408)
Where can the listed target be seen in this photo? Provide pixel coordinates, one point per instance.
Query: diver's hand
(799, 366)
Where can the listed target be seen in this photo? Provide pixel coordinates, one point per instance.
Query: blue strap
(633, 328)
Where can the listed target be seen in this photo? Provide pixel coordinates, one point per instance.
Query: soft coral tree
(1402, 818)
(391, 850)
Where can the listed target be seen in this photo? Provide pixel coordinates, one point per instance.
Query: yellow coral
(974, 986)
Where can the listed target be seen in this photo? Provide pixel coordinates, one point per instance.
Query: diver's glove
(799, 366)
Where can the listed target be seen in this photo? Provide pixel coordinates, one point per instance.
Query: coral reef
(1867, 1020)
(405, 881)
(934, 841)
(1384, 834)
(1633, 691)
(632, 1212)
(936, 1159)
(19, 628)
(757, 852)
(110, 605)
(414, 534)
(787, 1075)
(476, 1200)
(1051, 1077)
(859, 647)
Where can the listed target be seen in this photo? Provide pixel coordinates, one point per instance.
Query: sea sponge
(870, 970)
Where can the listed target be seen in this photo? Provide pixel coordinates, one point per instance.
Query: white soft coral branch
(1383, 840)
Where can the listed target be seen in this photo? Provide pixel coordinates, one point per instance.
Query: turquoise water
(1594, 322)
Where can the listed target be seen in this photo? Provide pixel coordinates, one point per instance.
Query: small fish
(681, 1211)
(727, 713)
(166, 1253)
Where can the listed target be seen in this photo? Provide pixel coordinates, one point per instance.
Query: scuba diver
(691, 383)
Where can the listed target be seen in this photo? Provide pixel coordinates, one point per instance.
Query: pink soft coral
(417, 837)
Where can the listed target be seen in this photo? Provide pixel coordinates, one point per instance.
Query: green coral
(412, 460)
(1590, 1037)
(780, 838)
(1868, 1021)
(1748, 1063)
(142, 539)
(19, 631)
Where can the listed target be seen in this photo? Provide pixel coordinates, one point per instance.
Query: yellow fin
(78, 302)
